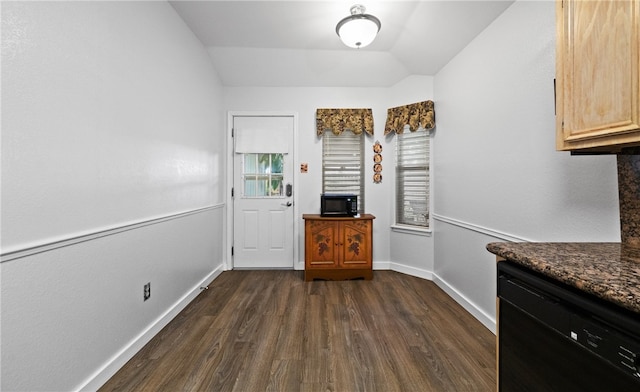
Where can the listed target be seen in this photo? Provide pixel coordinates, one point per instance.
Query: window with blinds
(342, 165)
(412, 178)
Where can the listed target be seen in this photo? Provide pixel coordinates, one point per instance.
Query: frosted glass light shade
(359, 29)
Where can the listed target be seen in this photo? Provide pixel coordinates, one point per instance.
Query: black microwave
(338, 205)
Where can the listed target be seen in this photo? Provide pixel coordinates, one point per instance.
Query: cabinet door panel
(356, 243)
(597, 73)
(321, 243)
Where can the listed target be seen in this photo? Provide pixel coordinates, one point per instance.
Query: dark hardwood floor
(271, 331)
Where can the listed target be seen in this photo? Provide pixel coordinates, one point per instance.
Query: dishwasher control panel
(620, 350)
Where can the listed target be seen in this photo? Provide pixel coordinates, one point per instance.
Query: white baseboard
(469, 306)
(101, 376)
(381, 265)
(413, 271)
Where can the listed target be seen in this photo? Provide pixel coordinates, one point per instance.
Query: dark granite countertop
(609, 271)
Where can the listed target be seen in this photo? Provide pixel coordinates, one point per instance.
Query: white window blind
(342, 165)
(412, 178)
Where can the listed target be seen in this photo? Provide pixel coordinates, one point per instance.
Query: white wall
(304, 102)
(112, 177)
(497, 174)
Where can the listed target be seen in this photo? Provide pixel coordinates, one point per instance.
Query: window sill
(406, 229)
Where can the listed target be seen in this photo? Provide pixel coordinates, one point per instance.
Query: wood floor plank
(286, 375)
(271, 331)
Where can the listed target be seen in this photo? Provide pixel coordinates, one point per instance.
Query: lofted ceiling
(294, 43)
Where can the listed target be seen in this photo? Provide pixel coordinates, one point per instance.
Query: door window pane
(262, 175)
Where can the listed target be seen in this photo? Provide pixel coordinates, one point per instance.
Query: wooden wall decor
(377, 165)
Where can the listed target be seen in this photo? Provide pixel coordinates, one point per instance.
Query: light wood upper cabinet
(597, 74)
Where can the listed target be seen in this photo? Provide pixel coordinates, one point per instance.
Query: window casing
(342, 165)
(412, 178)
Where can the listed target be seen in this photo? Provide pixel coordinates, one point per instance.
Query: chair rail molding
(28, 249)
(480, 229)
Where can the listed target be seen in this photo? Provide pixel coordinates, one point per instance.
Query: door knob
(288, 204)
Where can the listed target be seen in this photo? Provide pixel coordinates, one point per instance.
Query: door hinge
(232, 132)
(232, 251)
(232, 192)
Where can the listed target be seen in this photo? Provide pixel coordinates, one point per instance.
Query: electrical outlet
(147, 291)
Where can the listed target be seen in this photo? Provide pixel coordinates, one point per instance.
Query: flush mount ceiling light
(359, 29)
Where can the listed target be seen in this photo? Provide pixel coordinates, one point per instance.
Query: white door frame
(228, 235)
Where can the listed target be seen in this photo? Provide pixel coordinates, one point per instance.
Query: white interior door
(263, 192)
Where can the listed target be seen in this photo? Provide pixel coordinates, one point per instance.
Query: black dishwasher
(555, 338)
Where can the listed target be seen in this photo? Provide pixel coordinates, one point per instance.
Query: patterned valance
(416, 115)
(339, 120)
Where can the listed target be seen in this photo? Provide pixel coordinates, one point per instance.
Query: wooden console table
(338, 248)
